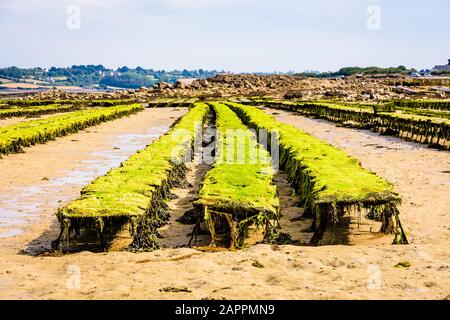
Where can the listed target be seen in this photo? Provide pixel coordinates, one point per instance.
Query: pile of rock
(278, 86)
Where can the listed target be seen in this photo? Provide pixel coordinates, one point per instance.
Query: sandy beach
(40, 180)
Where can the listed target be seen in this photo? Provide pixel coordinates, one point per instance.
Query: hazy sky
(233, 35)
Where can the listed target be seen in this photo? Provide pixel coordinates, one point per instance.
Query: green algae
(135, 193)
(35, 111)
(331, 183)
(239, 187)
(433, 131)
(15, 137)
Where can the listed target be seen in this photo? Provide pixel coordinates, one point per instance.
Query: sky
(230, 35)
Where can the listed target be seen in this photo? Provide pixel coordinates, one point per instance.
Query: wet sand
(178, 235)
(284, 272)
(421, 175)
(16, 120)
(34, 184)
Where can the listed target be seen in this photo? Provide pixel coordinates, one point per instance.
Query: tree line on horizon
(100, 76)
(348, 71)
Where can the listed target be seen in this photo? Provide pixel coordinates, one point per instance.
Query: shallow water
(11, 233)
(22, 205)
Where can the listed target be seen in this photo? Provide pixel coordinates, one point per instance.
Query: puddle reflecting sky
(22, 205)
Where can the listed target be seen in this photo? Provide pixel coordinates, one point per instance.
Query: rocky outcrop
(365, 88)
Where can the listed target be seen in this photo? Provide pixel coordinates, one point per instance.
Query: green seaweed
(331, 183)
(35, 111)
(15, 137)
(172, 102)
(422, 104)
(433, 131)
(239, 187)
(135, 193)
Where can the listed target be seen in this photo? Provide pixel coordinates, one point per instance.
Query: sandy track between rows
(33, 184)
(287, 272)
